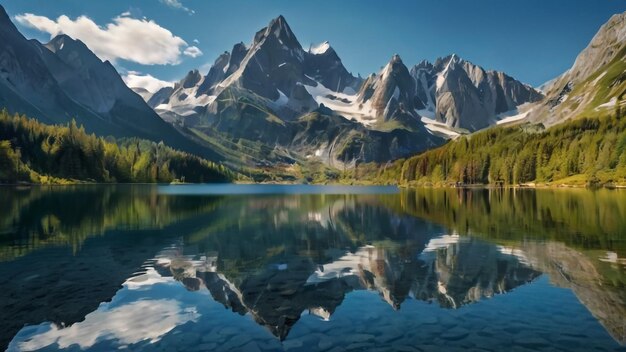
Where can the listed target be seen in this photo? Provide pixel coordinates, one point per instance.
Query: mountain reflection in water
(453, 273)
(280, 260)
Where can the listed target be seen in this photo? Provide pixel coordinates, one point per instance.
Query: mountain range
(272, 103)
(305, 104)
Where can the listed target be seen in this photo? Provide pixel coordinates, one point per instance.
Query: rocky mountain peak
(5, 20)
(193, 78)
(392, 90)
(216, 73)
(73, 52)
(395, 68)
(608, 41)
(447, 61)
(59, 42)
(278, 28)
(422, 65)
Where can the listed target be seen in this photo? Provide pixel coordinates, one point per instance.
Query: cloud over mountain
(137, 40)
(192, 51)
(148, 82)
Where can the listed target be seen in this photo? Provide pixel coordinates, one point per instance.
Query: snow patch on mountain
(511, 116)
(184, 100)
(342, 103)
(441, 78)
(350, 264)
(438, 128)
(319, 48)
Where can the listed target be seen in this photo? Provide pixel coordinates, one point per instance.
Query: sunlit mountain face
(153, 268)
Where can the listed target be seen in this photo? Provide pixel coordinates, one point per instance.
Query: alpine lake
(311, 268)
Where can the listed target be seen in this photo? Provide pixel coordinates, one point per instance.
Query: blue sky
(532, 40)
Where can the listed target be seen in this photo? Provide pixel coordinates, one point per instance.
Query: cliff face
(594, 84)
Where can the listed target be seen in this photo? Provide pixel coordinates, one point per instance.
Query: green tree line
(34, 152)
(584, 150)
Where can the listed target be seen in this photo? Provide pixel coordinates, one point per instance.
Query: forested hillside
(33, 152)
(584, 151)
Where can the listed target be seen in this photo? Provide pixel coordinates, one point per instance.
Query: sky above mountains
(157, 41)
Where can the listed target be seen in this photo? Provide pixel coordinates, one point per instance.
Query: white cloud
(152, 84)
(176, 4)
(138, 40)
(192, 51)
(196, 41)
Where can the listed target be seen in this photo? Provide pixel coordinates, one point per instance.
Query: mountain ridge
(270, 84)
(63, 81)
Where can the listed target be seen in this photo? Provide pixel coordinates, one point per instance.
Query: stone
(204, 347)
(358, 346)
(211, 337)
(236, 341)
(229, 330)
(359, 338)
(532, 342)
(455, 334)
(337, 349)
(291, 344)
(389, 334)
(325, 343)
(405, 348)
(250, 347)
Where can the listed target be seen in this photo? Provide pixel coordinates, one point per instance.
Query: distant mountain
(464, 95)
(276, 93)
(575, 135)
(264, 103)
(594, 84)
(63, 80)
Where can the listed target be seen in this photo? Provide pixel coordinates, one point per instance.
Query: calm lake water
(308, 268)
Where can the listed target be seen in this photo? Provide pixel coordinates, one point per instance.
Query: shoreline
(362, 184)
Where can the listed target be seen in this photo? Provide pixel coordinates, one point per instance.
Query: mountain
(262, 104)
(266, 103)
(272, 95)
(575, 135)
(452, 275)
(390, 94)
(463, 95)
(26, 83)
(63, 80)
(595, 83)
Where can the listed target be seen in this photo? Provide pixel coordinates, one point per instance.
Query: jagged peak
(452, 58)
(395, 59)
(5, 20)
(394, 64)
(74, 52)
(61, 42)
(279, 28)
(424, 64)
(191, 79)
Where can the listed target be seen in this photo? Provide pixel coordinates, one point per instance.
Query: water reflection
(294, 265)
(450, 273)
